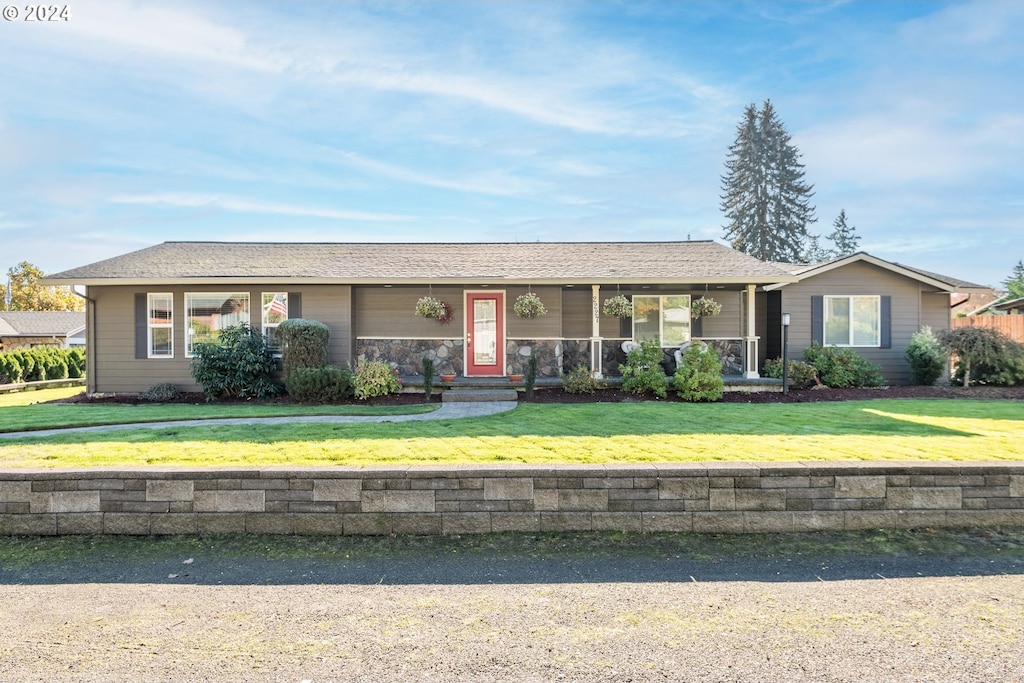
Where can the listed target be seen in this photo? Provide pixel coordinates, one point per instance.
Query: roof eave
(464, 280)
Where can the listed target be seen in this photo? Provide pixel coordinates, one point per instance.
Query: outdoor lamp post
(785, 354)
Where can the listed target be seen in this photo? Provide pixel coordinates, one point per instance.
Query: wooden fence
(1010, 325)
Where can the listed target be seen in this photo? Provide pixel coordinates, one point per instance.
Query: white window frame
(661, 317)
(825, 316)
(150, 325)
(189, 296)
(263, 314)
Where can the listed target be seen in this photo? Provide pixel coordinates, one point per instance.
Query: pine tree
(766, 200)
(1015, 283)
(815, 253)
(844, 236)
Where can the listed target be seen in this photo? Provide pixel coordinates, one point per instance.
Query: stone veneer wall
(720, 498)
(408, 354)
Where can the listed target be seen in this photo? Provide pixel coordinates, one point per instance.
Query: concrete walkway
(447, 411)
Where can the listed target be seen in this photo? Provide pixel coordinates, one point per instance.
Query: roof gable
(941, 282)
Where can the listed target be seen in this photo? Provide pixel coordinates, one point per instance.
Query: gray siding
(388, 313)
(117, 370)
(913, 305)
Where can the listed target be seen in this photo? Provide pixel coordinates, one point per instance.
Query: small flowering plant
(618, 307)
(705, 307)
(529, 305)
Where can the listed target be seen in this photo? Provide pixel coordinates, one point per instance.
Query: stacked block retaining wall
(710, 497)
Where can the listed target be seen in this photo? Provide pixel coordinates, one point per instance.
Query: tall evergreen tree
(1015, 283)
(844, 236)
(765, 197)
(815, 253)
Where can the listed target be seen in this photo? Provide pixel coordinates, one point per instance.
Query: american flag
(277, 306)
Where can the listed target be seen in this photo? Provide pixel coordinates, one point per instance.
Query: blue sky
(134, 123)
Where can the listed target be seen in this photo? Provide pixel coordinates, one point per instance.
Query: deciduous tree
(26, 294)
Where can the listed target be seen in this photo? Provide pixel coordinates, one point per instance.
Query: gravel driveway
(439, 613)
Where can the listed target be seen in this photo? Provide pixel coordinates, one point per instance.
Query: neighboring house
(869, 304)
(19, 329)
(148, 308)
(1011, 306)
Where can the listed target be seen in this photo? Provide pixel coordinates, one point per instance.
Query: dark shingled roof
(40, 323)
(701, 261)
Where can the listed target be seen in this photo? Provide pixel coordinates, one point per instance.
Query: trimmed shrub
(241, 365)
(303, 344)
(580, 381)
(56, 368)
(375, 378)
(76, 363)
(160, 393)
(699, 378)
(31, 367)
(327, 384)
(642, 371)
(928, 360)
(10, 369)
(842, 367)
(800, 375)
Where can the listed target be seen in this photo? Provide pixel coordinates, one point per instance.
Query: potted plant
(618, 307)
(705, 307)
(432, 307)
(529, 305)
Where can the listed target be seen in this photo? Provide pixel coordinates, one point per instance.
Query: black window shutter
(141, 326)
(697, 328)
(886, 322)
(818, 319)
(294, 304)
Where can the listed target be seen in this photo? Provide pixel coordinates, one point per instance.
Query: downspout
(90, 340)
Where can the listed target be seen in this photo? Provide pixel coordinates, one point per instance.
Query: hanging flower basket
(529, 305)
(705, 308)
(430, 307)
(618, 307)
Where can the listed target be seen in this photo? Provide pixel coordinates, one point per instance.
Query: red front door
(485, 333)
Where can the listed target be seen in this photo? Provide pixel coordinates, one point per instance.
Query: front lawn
(27, 411)
(884, 429)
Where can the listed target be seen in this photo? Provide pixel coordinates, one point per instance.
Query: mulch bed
(546, 395)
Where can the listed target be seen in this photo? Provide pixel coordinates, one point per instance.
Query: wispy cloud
(208, 201)
(488, 182)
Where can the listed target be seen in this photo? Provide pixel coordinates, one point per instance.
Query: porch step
(478, 395)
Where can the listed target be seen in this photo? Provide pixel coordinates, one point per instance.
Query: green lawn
(24, 411)
(578, 433)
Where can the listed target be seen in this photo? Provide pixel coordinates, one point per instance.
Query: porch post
(595, 331)
(750, 341)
